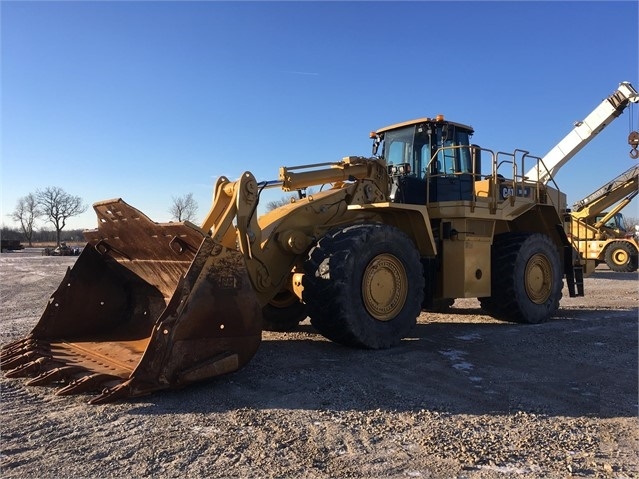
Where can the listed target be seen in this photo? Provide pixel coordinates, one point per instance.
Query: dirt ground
(464, 397)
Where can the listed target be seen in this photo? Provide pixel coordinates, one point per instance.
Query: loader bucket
(146, 306)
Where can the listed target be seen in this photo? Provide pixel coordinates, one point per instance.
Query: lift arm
(618, 207)
(271, 245)
(584, 131)
(623, 187)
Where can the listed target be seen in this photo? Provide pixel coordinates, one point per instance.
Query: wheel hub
(620, 257)
(538, 279)
(384, 287)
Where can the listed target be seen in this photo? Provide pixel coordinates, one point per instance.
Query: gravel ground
(464, 397)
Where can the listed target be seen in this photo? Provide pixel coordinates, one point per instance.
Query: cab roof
(438, 119)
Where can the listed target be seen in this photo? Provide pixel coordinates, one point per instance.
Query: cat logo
(506, 191)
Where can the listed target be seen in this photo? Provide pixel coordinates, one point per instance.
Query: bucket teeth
(89, 383)
(15, 346)
(146, 306)
(55, 375)
(29, 368)
(22, 347)
(115, 393)
(17, 361)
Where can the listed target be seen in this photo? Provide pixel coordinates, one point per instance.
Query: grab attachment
(147, 306)
(633, 141)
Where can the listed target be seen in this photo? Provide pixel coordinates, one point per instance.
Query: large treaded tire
(621, 257)
(526, 278)
(363, 286)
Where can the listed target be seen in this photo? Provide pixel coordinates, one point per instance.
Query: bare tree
(630, 222)
(26, 213)
(285, 200)
(275, 204)
(58, 206)
(184, 208)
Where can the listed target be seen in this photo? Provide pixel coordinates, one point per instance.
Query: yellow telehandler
(596, 226)
(150, 306)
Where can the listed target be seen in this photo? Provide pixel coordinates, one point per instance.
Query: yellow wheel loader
(150, 306)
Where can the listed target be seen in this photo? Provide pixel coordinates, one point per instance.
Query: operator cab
(616, 223)
(430, 160)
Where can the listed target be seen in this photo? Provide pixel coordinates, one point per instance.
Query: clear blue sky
(153, 100)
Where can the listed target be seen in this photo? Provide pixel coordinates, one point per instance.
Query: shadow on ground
(584, 364)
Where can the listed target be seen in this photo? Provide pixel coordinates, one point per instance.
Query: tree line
(42, 235)
(51, 204)
(54, 206)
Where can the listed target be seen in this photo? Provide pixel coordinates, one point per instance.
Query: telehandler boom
(150, 306)
(586, 130)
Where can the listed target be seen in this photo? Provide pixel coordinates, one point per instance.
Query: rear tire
(621, 257)
(363, 286)
(526, 278)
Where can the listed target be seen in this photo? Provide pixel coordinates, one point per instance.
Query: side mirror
(377, 140)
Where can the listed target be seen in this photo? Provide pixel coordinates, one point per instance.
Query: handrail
(474, 173)
(515, 161)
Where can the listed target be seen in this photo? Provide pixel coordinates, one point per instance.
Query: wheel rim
(538, 279)
(620, 257)
(384, 287)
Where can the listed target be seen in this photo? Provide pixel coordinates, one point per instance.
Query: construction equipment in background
(596, 226)
(586, 130)
(10, 245)
(62, 250)
(595, 243)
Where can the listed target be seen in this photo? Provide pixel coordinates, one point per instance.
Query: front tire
(621, 257)
(526, 278)
(363, 286)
